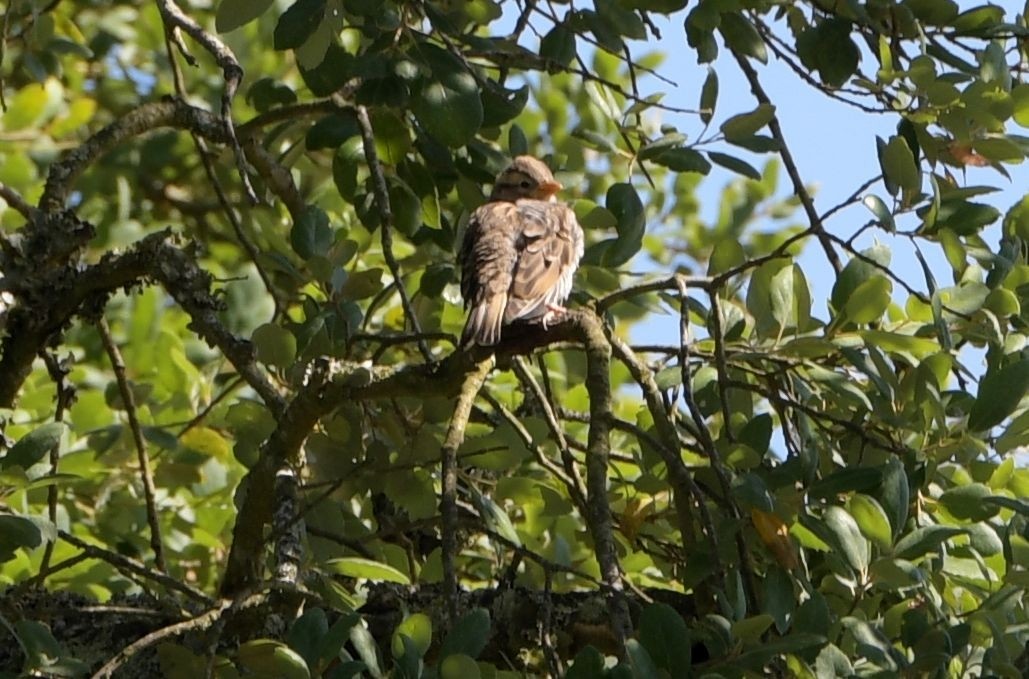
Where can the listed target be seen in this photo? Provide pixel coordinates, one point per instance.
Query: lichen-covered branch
(164, 113)
(598, 385)
(448, 496)
(175, 19)
(48, 300)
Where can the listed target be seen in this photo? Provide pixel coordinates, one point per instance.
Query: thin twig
(199, 417)
(124, 563)
(212, 177)
(815, 221)
(129, 402)
(567, 461)
(850, 200)
(200, 622)
(386, 225)
(15, 201)
(174, 18)
(718, 335)
(58, 371)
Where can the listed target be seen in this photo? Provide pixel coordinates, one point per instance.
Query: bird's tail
(484, 321)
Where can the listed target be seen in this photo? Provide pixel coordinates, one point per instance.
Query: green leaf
(871, 519)
(746, 124)
(683, 160)
(643, 666)
(331, 643)
(778, 599)
(849, 480)
(790, 298)
(829, 49)
(709, 96)
(392, 136)
(965, 218)
(588, 664)
(17, 532)
(495, 518)
(869, 301)
(406, 207)
(558, 45)
(882, 213)
(517, 142)
(364, 644)
(337, 66)
(298, 23)
(933, 12)
(459, 666)
(408, 660)
(469, 635)
(662, 6)
(922, 540)
(847, 537)
(856, 272)
(625, 204)
(727, 254)
(898, 165)
(500, 104)
(1020, 101)
(306, 633)
(449, 106)
(735, 164)
(333, 130)
(275, 345)
(416, 627)
(741, 36)
(999, 394)
(357, 567)
(978, 21)
(268, 659)
(311, 234)
(663, 633)
(895, 573)
(701, 22)
(895, 495)
(41, 647)
(967, 502)
(232, 14)
(34, 446)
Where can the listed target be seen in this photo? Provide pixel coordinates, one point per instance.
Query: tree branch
(129, 402)
(174, 19)
(448, 496)
(386, 227)
(814, 219)
(598, 517)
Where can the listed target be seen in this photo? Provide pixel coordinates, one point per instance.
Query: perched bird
(519, 253)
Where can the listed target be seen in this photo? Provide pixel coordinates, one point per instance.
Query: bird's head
(525, 177)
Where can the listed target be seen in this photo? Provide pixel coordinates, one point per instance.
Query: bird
(519, 253)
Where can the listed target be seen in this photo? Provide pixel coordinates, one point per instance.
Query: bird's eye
(525, 184)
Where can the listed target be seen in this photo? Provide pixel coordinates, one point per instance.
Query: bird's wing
(489, 255)
(550, 245)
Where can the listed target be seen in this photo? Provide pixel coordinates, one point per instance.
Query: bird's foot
(555, 314)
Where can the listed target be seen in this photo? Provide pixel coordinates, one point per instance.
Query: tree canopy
(238, 437)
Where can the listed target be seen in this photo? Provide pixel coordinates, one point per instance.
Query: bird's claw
(555, 314)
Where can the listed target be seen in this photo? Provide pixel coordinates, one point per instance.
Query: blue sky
(834, 164)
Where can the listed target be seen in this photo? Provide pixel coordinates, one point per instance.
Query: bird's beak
(549, 188)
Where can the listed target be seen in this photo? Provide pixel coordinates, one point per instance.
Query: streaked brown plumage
(519, 253)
